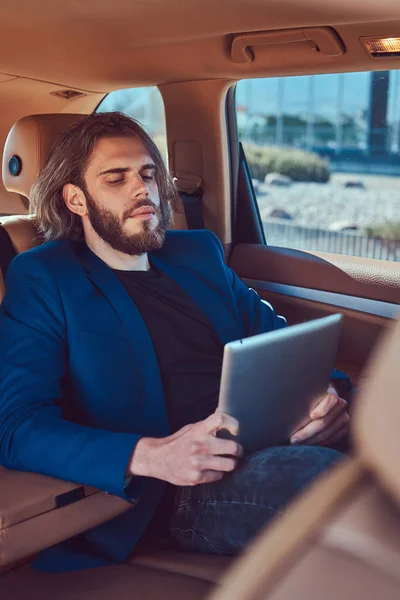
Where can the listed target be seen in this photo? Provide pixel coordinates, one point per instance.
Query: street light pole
(339, 124)
(279, 112)
(310, 117)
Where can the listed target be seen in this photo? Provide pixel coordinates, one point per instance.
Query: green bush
(296, 164)
(384, 231)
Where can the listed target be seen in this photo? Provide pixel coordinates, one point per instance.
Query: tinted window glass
(325, 156)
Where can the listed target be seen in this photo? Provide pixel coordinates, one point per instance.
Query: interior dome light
(378, 47)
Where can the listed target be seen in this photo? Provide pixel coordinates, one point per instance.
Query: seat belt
(191, 192)
(7, 250)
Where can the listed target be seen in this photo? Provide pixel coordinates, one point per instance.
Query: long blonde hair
(67, 163)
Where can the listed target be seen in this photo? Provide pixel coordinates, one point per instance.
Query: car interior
(59, 61)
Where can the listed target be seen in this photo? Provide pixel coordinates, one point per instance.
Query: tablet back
(270, 382)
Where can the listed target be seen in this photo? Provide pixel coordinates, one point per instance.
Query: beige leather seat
(341, 540)
(150, 574)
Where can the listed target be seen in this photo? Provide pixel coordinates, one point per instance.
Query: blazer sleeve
(33, 361)
(257, 315)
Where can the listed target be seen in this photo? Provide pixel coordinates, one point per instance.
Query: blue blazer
(79, 379)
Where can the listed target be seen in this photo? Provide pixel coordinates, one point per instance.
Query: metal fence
(279, 233)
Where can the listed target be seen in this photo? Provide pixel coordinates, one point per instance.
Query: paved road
(320, 205)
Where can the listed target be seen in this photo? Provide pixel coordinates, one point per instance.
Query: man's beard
(110, 228)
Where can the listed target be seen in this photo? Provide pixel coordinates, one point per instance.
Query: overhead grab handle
(325, 40)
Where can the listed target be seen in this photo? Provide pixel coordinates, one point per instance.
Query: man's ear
(75, 199)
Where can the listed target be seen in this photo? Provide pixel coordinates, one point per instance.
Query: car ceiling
(98, 45)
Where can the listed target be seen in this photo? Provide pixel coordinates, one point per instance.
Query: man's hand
(190, 456)
(329, 422)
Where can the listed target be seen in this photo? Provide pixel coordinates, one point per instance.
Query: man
(111, 341)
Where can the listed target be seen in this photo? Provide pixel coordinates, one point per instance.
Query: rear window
(143, 104)
(324, 151)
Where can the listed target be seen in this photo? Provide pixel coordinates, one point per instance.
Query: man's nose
(139, 187)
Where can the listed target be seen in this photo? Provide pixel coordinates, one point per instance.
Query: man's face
(122, 198)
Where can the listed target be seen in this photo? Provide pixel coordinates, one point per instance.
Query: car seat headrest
(27, 147)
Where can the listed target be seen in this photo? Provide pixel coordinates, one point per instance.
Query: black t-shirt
(188, 350)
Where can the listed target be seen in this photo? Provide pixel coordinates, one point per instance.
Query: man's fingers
(221, 464)
(219, 420)
(325, 434)
(337, 436)
(328, 403)
(226, 447)
(315, 426)
(319, 426)
(207, 470)
(307, 432)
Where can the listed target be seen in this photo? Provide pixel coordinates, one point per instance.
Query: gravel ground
(323, 204)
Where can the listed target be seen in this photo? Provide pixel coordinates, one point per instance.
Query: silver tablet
(271, 382)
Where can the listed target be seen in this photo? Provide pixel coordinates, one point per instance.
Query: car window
(143, 104)
(324, 151)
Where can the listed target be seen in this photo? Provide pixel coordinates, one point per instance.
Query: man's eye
(115, 181)
(148, 177)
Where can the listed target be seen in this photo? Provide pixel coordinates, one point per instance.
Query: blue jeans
(222, 517)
